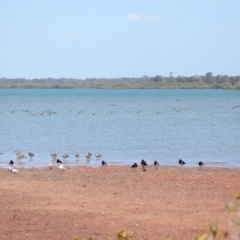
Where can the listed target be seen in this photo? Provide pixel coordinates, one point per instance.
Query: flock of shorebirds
(88, 155)
(20, 155)
(156, 164)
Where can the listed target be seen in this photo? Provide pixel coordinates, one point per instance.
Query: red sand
(97, 202)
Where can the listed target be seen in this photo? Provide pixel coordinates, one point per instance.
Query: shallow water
(125, 126)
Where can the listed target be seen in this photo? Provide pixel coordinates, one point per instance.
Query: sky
(118, 38)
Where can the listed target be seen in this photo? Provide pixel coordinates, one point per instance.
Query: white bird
(61, 166)
(30, 154)
(13, 170)
(50, 165)
(88, 154)
(98, 155)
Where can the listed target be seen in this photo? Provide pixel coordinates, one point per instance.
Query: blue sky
(121, 38)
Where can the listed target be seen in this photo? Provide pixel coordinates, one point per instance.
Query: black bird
(181, 162)
(144, 164)
(200, 164)
(134, 166)
(59, 161)
(156, 164)
(104, 163)
(11, 163)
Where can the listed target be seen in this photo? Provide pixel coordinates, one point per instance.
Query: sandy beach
(175, 202)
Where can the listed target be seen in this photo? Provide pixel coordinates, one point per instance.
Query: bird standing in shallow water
(181, 162)
(54, 155)
(30, 154)
(88, 155)
(64, 155)
(98, 155)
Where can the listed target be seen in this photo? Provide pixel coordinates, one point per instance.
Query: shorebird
(11, 163)
(98, 155)
(54, 155)
(30, 154)
(77, 155)
(50, 165)
(134, 166)
(88, 154)
(1, 153)
(64, 155)
(59, 162)
(13, 170)
(144, 164)
(104, 163)
(61, 166)
(181, 162)
(200, 164)
(20, 155)
(156, 164)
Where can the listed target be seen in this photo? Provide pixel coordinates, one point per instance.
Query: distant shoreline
(118, 85)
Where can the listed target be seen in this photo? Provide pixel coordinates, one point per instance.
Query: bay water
(123, 125)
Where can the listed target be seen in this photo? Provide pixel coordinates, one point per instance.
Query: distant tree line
(197, 81)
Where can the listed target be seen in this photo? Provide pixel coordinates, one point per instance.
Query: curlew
(30, 154)
(98, 155)
(88, 155)
(54, 155)
(64, 155)
(20, 155)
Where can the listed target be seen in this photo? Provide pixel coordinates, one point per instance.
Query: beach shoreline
(180, 202)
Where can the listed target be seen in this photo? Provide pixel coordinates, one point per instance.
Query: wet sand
(97, 202)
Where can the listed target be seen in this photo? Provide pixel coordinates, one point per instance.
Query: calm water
(125, 126)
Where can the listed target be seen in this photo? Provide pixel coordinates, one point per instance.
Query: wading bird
(98, 155)
(104, 163)
(200, 164)
(156, 164)
(64, 155)
(181, 162)
(134, 167)
(59, 162)
(20, 155)
(30, 154)
(54, 155)
(11, 163)
(88, 155)
(144, 165)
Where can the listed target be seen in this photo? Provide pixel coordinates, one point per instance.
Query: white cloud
(146, 18)
(68, 36)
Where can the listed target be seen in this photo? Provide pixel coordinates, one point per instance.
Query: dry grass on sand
(97, 202)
